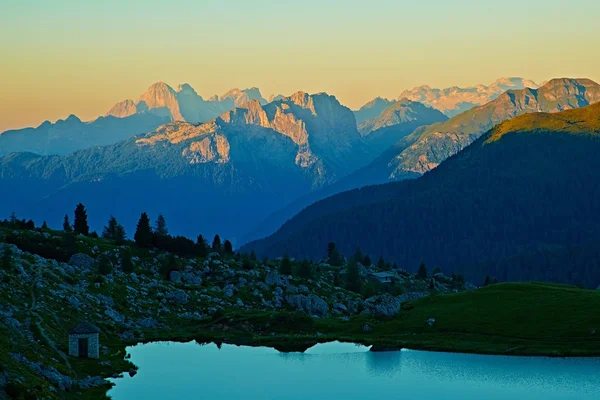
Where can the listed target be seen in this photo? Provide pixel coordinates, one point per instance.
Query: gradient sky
(72, 56)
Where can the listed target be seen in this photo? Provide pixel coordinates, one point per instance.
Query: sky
(64, 57)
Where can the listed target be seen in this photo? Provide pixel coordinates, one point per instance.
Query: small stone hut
(84, 341)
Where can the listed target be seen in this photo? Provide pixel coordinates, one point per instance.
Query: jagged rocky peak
(123, 109)
(241, 97)
(251, 113)
(186, 88)
(513, 83)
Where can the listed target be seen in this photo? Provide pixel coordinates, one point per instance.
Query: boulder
(310, 304)
(175, 276)
(147, 323)
(382, 305)
(228, 290)
(177, 297)
(273, 278)
(430, 321)
(82, 261)
(73, 301)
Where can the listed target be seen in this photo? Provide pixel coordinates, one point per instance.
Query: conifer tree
(161, 226)
(227, 247)
(115, 231)
(333, 256)
(366, 261)
(44, 225)
(216, 244)
(126, 262)
(305, 270)
(143, 232)
(201, 246)
(285, 268)
(381, 263)
(422, 272)
(67, 225)
(80, 224)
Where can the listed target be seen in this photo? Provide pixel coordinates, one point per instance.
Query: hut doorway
(83, 347)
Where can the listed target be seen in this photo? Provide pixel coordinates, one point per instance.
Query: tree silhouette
(161, 226)
(67, 225)
(143, 232)
(80, 224)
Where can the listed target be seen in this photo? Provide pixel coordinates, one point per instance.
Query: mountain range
(520, 203)
(225, 174)
(420, 149)
(454, 100)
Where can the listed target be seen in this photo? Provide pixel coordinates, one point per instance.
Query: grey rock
(127, 335)
(114, 315)
(106, 300)
(228, 290)
(382, 305)
(147, 323)
(240, 303)
(273, 278)
(470, 286)
(278, 291)
(291, 289)
(91, 382)
(340, 307)
(82, 261)
(177, 297)
(366, 328)
(73, 301)
(303, 289)
(310, 304)
(430, 321)
(175, 276)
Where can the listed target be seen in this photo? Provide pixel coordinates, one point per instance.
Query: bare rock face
(427, 147)
(123, 109)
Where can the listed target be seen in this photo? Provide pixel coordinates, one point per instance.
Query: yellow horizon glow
(66, 57)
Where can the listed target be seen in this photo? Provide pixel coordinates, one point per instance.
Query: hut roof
(83, 328)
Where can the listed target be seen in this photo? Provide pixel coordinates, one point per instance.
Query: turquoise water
(345, 371)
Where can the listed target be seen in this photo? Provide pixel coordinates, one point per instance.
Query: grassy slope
(509, 318)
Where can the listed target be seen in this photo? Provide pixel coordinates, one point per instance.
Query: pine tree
(422, 272)
(44, 225)
(227, 247)
(161, 226)
(216, 244)
(487, 280)
(115, 231)
(126, 263)
(358, 255)
(253, 255)
(366, 261)
(201, 246)
(80, 224)
(67, 225)
(110, 228)
(285, 268)
(305, 270)
(143, 232)
(353, 280)
(381, 263)
(333, 256)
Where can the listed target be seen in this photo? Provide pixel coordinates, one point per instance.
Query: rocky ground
(212, 297)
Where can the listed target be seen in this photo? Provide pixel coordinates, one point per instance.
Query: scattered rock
(430, 321)
(91, 382)
(310, 304)
(147, 323)
(175, 276)
(177, 297)
(82, 261)
(73, 301)
(366, 328)
(382, 305)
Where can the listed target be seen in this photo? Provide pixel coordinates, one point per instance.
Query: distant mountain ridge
(454, 100)
(426, 147)
(520, 203)
(224, 175)
(184, 104)
(71, 134)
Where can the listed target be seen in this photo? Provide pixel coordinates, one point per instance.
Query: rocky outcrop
(310, 304)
